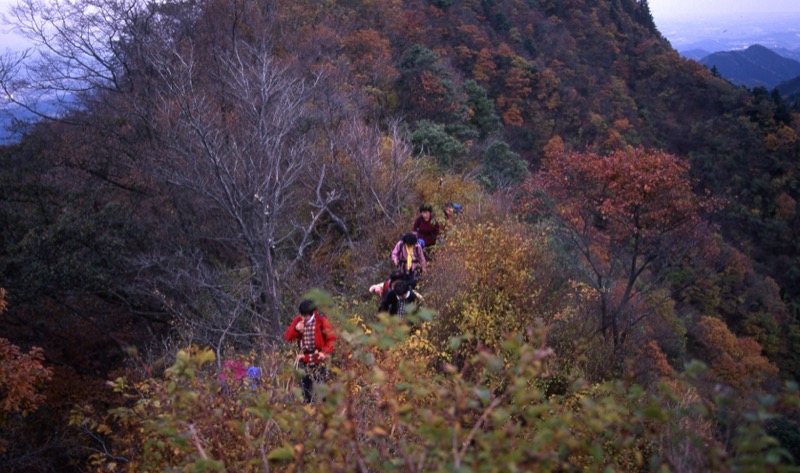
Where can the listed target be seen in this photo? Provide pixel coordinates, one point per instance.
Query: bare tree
(231, 130)
(385, 167)
(236, 129)
(78, 52)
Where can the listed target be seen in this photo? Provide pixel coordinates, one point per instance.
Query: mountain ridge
(755, 66)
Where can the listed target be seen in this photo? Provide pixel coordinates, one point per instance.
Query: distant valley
(698, 38)
(756, 66)
(754, 50)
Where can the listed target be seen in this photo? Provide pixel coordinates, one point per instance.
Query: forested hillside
(621, 291)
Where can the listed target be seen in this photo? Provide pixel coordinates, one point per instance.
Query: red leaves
(628, 215)
(21, 375)
(629, 193)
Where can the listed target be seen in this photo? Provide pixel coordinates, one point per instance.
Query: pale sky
(687, 9)
(8, 40)
(661, 9)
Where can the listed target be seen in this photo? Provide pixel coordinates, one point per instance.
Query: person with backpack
(383, 287)
(408, 257)
(397, 299)
(426, 227)
(315, 338)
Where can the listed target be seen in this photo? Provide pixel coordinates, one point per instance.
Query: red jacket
(324, 336)
(427, 230)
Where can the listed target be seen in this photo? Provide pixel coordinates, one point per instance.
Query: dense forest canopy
(621, 290)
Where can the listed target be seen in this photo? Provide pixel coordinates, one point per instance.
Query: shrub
(384, 411)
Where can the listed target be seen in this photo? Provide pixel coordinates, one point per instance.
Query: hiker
(382, 287)
(452, 214)
(426, 227)
(397, 298)
(315, 338)
(235, 374)
(408, 257)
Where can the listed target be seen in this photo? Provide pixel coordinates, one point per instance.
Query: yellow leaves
(377, 431)
(357, 320)
(487, 283)
(104, 429)
(784, 138)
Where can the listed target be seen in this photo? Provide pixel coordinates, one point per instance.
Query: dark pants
(314, 374)
(411, 277)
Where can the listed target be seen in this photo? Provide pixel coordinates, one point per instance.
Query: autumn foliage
(22, 376)
(735, 361)
(629, 215)
(209, 162)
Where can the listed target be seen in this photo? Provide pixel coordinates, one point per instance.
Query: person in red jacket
(426, 227)
(315, 338)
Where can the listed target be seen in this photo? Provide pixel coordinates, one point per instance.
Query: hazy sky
(704, 8)
(661, 9)
(8, 40)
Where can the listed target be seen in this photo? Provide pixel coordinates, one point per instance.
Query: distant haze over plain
(726, 25)
(707, 9)
(733, 32)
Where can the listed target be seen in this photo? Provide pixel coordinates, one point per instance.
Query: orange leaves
(485, 67)
(735, 361)
(785, 207)
(513, 117)
(370, 54)
(21, 375)
(784, 138)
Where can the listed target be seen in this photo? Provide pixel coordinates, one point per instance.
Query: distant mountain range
(698, 54)
(753, 67)
(732, 31)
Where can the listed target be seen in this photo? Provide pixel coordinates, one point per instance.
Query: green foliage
(787, 432)
(793, 349)
(502, 168)
(764, 328)
(480, 109)
(428, 87)
(68, 237)
(431, 139)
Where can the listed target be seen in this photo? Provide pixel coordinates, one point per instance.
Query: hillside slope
(229, 156)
